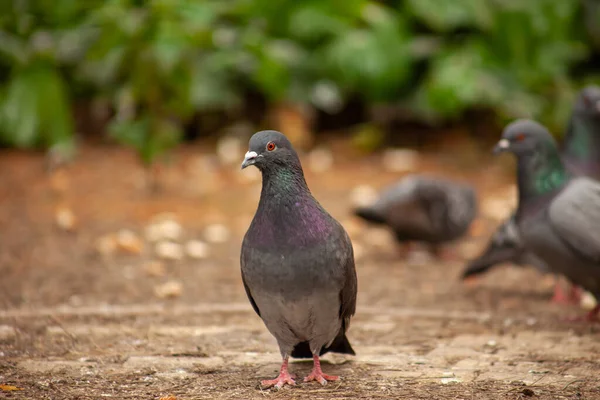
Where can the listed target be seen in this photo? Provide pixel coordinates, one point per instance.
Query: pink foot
(560, 297)
(591, 316)
(318, 375)
(283, 378)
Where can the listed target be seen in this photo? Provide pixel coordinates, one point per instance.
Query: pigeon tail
(340, 344)
(370, 215)
(490, 259)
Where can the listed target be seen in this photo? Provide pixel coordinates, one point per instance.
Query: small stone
(155, 268)
(163, 227)
(400, 160)
(320, 160)
(169, 250)
(491, 343)
(363, 195)
(168, 290)
(216, 233)
(65, 218)
(446, 381)
(197, 249)
(106, 245)
(129, 242)
(588, 302)
(171, 229)
(7, 332)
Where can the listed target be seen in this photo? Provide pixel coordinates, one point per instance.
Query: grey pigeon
(504, 246)
(297, 262)
(424, 209)
(581, 153)
(558, 213)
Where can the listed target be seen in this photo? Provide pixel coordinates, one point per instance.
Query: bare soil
(76, 324)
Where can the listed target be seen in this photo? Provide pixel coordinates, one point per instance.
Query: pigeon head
(540, 168)
(588, 101)
(581, 145)
(270, 150)
(525, 137)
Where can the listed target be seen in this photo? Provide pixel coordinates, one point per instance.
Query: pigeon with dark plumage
(297, 262)
(581, 153)
(558, 213)
(424, 209)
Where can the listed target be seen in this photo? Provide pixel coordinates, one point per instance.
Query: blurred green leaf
(35, 108)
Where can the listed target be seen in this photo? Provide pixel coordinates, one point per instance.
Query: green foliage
(38, 41)
(158, 62)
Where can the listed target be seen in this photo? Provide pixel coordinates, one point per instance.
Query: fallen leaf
(169, 397)
(9, 388)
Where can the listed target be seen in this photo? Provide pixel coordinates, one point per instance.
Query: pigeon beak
(249, 159)
(502, 146)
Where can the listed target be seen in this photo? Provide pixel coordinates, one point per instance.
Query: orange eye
(271, 146)
(520, 137)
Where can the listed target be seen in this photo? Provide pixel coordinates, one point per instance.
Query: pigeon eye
(520, 137)
(271, 146)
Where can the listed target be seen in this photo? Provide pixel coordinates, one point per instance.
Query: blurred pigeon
(558, 213)
(425, 209)
(581, 154)
(504, 246)
(297, 262)
(581, 147)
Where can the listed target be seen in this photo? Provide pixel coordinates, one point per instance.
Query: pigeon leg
(559, 296)
(573, 296)
(283, 378)
(318, 375)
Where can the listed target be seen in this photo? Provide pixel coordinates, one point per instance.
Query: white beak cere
(503, 144)
(249, 158)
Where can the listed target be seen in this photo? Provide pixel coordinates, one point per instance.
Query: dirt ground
(87, 313)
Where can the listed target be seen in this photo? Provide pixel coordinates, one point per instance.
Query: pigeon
(581, 153)
(424, 209)
(581, 147)
(297, 262)
(558, 214)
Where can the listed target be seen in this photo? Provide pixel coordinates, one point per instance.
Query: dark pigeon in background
(297, 262)
(504, 246)
(581, 153)
(424, 209)
(558, 215)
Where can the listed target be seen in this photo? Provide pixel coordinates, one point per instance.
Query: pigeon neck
(285, 182)
(540, 173)
(582, 141)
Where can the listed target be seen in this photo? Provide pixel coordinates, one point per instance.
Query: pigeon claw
(320, 377)
(279, 382)
(590, 317)
(283, 378)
